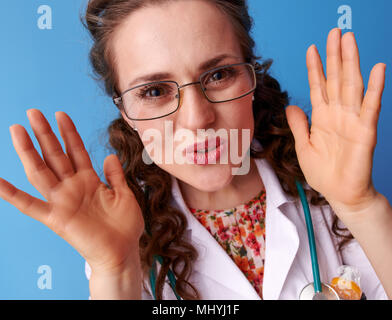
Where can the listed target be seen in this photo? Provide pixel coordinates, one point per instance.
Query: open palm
(103, 224)
(336, 156)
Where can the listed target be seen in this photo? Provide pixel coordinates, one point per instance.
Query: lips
(207, 145)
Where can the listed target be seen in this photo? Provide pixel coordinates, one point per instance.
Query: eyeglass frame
(255, 67)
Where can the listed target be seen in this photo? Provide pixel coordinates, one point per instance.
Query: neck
(241, 189)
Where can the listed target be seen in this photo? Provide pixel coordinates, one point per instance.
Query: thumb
(298, 123)
(114, 172)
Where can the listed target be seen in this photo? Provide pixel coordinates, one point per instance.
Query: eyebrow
(159, 76)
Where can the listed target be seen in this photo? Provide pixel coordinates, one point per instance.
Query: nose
(195, 111)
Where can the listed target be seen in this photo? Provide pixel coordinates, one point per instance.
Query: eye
(217, 75)
(220, 75)
(154, 92)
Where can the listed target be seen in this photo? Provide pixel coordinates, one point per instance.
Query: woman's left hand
(336, 156)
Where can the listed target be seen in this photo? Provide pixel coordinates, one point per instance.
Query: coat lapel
(213, 261)
(282, 240)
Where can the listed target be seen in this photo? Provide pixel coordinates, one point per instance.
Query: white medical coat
(287, 267)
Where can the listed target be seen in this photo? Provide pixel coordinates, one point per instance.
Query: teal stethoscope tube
(170, 275)
(312, 245)
(312, 242)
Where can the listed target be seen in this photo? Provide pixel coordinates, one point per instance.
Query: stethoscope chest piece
(328, 293)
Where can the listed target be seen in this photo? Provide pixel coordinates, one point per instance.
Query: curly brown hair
(166, 223)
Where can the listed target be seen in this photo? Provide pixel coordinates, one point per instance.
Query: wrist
(116, 263)
(120, 282)
(375, 211)
(356, 205)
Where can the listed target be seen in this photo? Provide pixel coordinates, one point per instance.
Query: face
(177, 38)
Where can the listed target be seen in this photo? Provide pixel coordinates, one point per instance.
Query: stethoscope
(315, 290)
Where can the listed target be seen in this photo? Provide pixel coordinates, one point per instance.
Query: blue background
(49, 70)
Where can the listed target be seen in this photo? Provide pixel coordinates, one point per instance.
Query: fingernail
(29, 112)
(57, 113)
(10, 128)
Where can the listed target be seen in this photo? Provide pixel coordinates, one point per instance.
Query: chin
(208, 178)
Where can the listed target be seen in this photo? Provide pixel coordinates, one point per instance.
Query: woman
(209, 79)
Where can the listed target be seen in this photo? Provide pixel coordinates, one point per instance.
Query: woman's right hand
(103, 224)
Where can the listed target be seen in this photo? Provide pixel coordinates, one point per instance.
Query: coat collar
(282, 242)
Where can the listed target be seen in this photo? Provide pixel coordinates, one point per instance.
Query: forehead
(175, 37)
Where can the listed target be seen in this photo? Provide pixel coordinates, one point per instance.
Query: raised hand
(336, 156)
(103, 224)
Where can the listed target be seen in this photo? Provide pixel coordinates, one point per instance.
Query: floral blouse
(241, 233)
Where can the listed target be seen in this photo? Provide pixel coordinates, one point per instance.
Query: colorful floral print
(241, 233)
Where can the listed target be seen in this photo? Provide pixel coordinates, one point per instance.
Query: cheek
(239, 118)
(153, 140)
(238, 115)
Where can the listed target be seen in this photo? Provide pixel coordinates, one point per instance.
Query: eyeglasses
(159, 99)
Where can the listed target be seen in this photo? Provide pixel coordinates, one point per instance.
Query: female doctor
(184, 66)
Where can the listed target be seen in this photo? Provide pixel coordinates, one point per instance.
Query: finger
(52, 151)
(37, 172)
(371, 105)
(25, 203)
(74, 145)
(352, 86)
(299, 126)
(334, 65)
(114, 173)
(317, 82)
